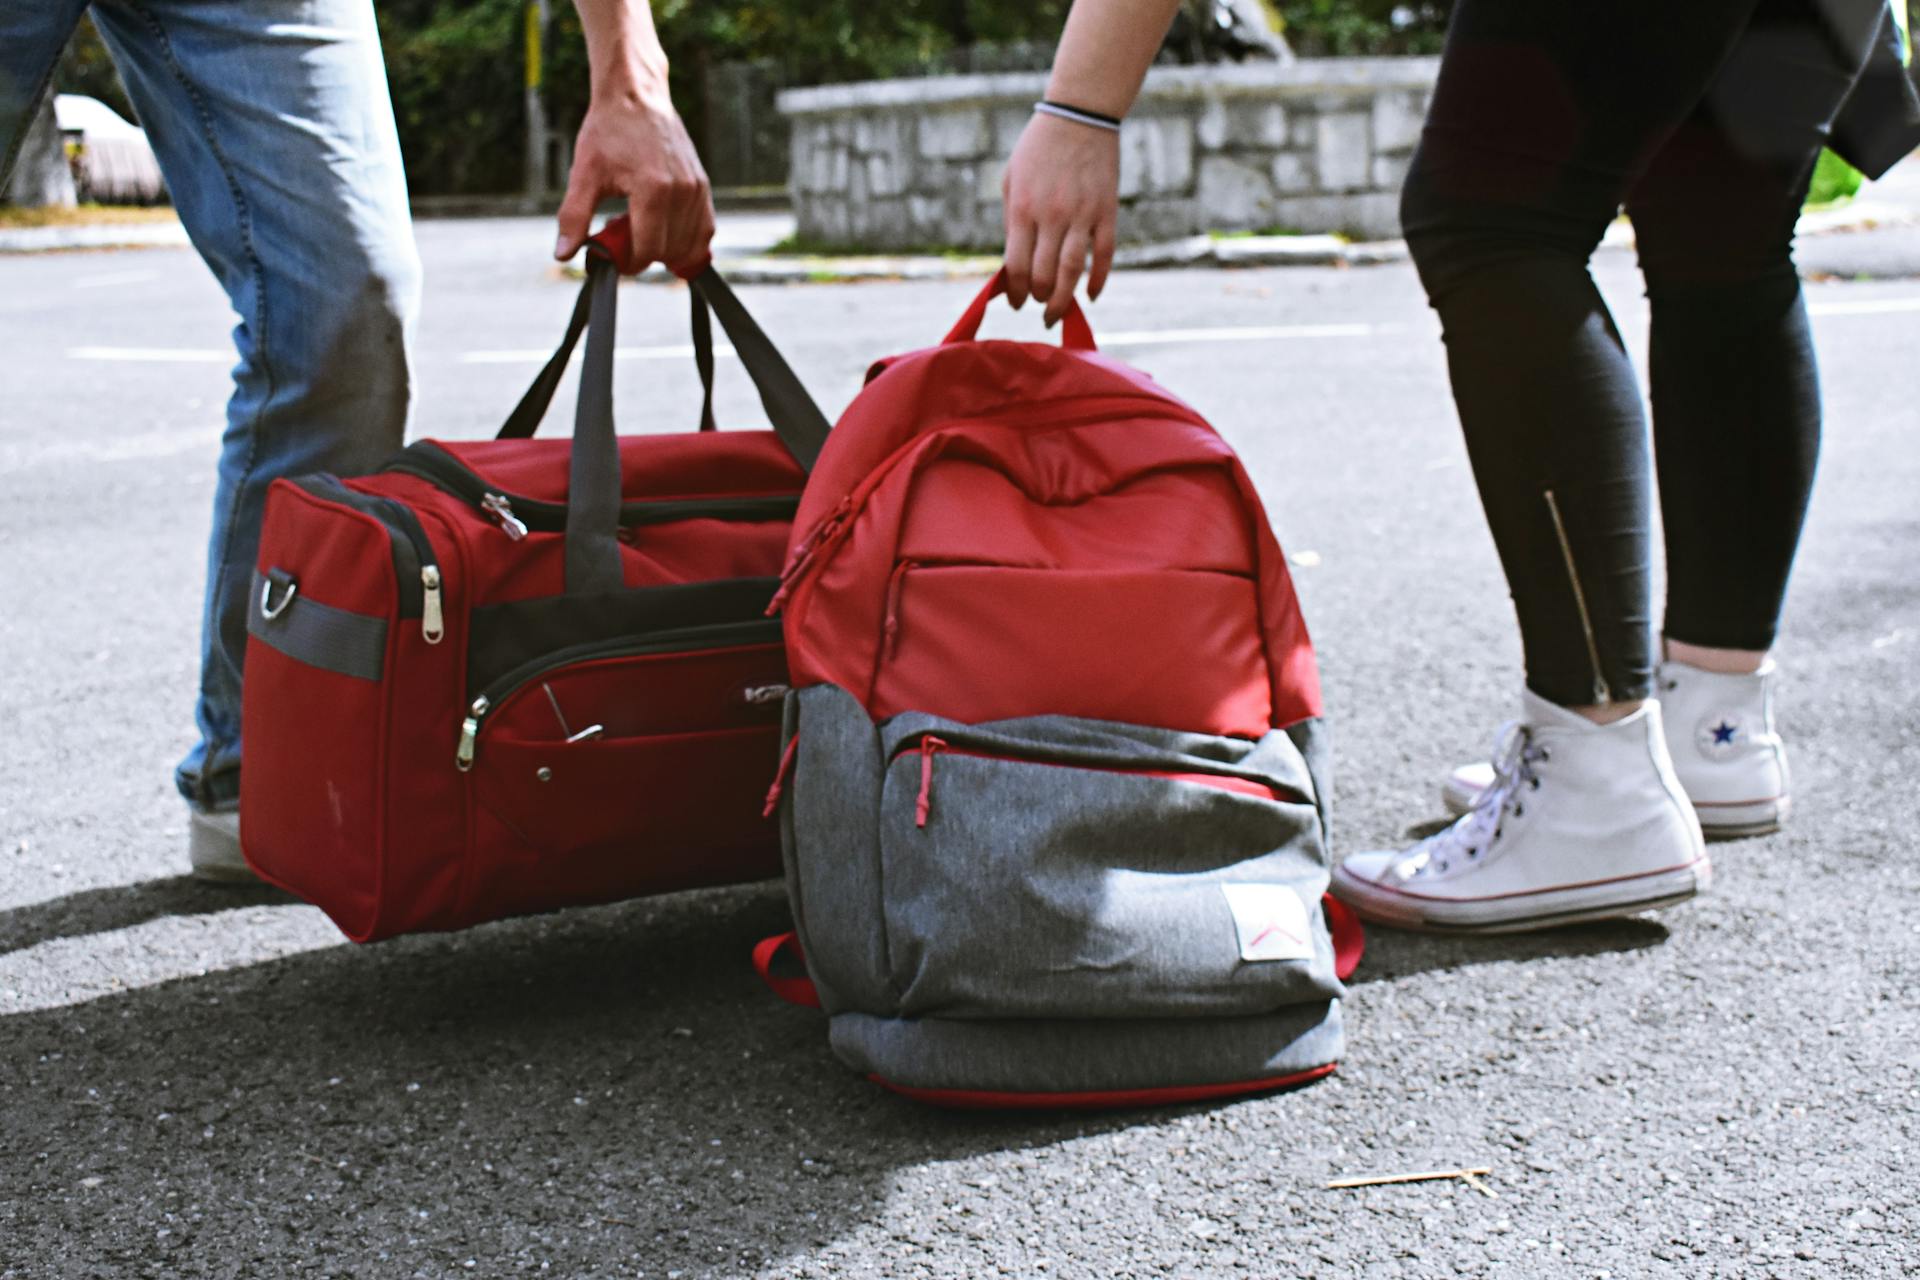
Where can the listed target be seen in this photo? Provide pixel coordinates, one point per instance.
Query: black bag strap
(593, 562)
(703, 356)
(794, 415)
(525, 418)
(791, 411)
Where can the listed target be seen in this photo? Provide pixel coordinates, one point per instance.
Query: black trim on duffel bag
(504, 637)
(319, 635)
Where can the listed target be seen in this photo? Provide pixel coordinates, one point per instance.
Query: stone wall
(1319, 144)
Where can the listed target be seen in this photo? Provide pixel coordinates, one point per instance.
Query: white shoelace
(1514, 777)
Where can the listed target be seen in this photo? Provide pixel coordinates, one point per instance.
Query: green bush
(1834, 180)
(1324, 28)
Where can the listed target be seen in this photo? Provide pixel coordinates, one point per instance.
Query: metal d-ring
(268, 609)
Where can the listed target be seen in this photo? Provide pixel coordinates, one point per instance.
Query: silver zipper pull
(433, 623)
(500, 509)
(469, 730)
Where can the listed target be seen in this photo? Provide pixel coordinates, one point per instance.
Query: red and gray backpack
(1052, 797)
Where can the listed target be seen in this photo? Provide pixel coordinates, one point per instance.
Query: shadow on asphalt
(605, 1090)
(125, 906)
(1393, 953)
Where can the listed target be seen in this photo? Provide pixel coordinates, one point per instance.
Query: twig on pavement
(1469, 1176)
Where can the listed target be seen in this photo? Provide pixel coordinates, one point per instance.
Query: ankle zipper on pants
(1602, 695)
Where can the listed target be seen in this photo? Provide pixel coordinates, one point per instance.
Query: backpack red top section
(988, 515)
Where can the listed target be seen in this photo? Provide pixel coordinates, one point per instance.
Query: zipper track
(1602, 695)
(426, 460)
(961, 745)
(718, 635)
(412, 550)
(821, 540)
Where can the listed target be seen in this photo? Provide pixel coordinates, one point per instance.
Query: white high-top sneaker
(1581, 822)
(1725, 747)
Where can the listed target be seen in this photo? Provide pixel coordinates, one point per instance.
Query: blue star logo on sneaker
(1719, 735)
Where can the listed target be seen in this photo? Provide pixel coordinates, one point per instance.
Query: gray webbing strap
(336, 640)
(593, 476)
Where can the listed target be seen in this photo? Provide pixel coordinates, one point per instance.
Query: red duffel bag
(507, 676)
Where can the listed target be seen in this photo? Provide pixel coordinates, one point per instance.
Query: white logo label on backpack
(1271, 921)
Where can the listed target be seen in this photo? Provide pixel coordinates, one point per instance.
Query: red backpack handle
(1075, 333)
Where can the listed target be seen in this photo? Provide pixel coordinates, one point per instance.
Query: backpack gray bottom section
(1052, 905)
(1090, 1056)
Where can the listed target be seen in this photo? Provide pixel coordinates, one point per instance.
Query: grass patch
(1265, 232)
(798, 246)
(87, 215)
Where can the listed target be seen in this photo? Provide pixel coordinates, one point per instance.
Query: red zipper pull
(923, 807)
(804, 553)
(891, 633)
(780, 776)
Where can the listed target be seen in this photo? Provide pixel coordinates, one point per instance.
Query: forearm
(1105, 52)
(632, 144)
(624, 56)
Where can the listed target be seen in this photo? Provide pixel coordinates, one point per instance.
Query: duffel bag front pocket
(610, 774)
(1054, 868)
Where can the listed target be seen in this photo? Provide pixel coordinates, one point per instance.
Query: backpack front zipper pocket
(1086, 880)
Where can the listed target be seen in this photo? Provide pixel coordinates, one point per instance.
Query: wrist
(631, 70)
(1082, 95)
(1077, 115)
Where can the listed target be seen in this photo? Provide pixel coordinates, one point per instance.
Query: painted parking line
(1239, 333)
(1864, 307)
(113, 278)
(1125, 338)
(155, 355)
(682, 351)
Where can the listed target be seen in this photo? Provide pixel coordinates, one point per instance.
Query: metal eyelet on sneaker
(1533, 784)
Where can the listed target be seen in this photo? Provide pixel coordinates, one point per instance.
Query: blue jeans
(272, 123)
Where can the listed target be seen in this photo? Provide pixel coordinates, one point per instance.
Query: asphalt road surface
(204, 1082)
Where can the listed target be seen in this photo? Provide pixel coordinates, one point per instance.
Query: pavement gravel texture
(206, 1082)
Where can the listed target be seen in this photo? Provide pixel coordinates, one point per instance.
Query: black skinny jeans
(1704, 120)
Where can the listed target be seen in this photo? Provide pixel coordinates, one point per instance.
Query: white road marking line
(115, 278)
(1127, 338)
(154, 355)
(682, 351)
(1864, 307)
(161, 442)
(1241, 333)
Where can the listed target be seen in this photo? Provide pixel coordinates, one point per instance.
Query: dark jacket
(1879, 124)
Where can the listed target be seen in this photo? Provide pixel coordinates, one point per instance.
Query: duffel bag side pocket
(323, 615)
